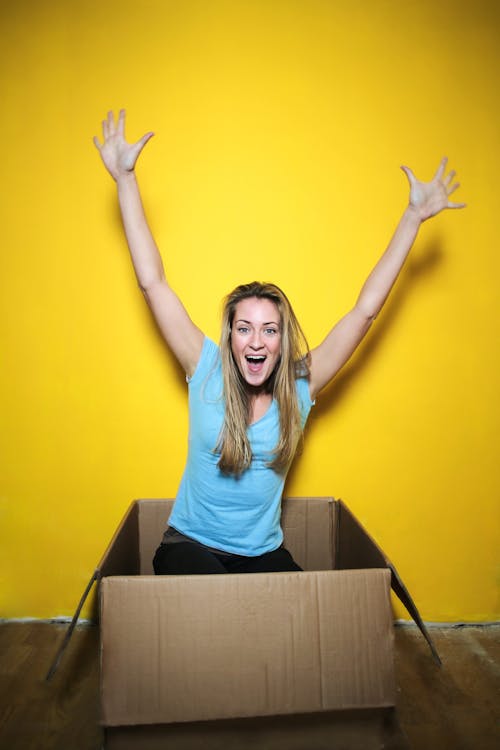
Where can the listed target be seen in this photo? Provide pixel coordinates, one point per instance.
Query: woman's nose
(256, 341)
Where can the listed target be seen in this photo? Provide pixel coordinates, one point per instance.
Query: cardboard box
(198, 648)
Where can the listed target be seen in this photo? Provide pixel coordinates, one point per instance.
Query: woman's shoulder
(304, 394)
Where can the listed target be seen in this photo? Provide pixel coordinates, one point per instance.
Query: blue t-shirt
(234, 514)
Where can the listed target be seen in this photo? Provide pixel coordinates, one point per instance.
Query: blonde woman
(249, 397)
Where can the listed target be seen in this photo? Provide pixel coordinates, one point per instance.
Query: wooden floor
(455, 707)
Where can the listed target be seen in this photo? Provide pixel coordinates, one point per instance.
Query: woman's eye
(242, 329)
(271, 331)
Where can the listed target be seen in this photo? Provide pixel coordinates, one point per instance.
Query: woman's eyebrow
(249, 322)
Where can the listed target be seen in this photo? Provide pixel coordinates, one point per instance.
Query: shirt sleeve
(208, 357)
(304, 397)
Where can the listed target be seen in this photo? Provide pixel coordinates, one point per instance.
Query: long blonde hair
(234, 445)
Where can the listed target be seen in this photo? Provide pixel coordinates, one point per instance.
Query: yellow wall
(280, 127)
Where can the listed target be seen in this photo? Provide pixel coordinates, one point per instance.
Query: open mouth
(255, 362)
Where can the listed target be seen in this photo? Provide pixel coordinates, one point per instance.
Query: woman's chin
(256, 380)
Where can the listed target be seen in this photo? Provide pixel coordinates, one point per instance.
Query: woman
(249, 398)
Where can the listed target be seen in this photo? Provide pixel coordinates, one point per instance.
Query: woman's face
(256, 339)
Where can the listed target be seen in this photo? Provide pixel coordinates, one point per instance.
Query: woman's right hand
(119, 157)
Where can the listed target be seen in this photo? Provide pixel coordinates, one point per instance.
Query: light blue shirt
(234, 514)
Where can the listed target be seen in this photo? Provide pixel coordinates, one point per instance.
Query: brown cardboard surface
(122, 553)
(189, 648)
(362, 729)
(308, 529)
(153, 518)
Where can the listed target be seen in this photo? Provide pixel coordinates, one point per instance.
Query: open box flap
(122, 553)
(121, 556)
(69, 632)
(355, 548)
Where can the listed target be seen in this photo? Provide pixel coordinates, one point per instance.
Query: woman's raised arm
(183, 337)
(426, 200)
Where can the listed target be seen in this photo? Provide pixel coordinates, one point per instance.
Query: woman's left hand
(429, 198)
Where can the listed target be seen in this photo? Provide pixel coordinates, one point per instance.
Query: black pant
(189, 558)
